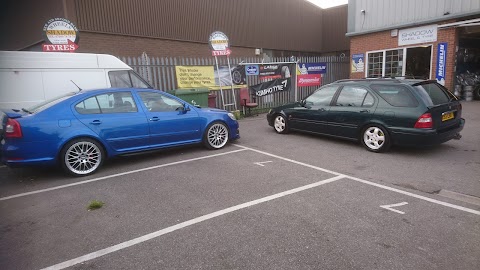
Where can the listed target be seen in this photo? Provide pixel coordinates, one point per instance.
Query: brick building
(181, 27)
(414, 39)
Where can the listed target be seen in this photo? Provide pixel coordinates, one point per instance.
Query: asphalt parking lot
(267, 201)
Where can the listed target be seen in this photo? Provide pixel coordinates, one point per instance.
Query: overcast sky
(328, 3)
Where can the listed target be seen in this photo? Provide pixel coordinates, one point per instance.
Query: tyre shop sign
(268, 88)
(417, 35)
(60, 35)
(219, 44)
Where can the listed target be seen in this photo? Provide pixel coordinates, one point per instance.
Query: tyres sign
(60, 35)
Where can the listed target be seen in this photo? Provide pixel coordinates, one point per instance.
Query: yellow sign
(195, 76)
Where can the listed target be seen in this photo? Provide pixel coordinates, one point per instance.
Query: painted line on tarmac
(187, 223)
(115, 175)
(465, 209)
(458, 207)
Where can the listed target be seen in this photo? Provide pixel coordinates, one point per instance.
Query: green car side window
(354, 96)
(322, 97)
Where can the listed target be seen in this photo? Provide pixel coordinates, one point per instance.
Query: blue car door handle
(322, 109)
(155, 118)
(364, 111)
(95, 122)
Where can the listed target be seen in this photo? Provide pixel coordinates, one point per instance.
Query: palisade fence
(160, 73)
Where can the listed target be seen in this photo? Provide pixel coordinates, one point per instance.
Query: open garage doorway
(418, 62)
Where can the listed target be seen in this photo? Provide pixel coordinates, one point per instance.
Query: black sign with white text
(268, 88)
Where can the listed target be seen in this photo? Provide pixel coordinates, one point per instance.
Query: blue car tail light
(13, 129)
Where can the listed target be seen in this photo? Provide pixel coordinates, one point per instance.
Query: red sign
(309, 80)
(221, 53)
(70, 47)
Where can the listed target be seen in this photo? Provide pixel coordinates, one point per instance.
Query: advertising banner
(270, 87)
(310, 74)
(270, 72)
(195, 76)
(208, 77)
(441, 62)
(358, 62)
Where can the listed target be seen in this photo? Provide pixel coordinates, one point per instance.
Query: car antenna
(79, 89)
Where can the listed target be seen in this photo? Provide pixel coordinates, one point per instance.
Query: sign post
(220, 47)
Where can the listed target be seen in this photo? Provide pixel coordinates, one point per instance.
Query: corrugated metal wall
(384, 13)
(275, 24)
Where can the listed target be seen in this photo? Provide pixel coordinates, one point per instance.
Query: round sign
(60, 31)
(218, 41)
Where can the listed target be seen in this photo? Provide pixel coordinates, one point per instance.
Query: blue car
(80, 130)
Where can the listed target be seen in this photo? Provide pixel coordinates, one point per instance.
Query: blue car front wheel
(82, 157)
(216, 135)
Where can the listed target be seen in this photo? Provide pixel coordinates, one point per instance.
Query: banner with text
(270, 87)
(310, 74)
(209, 77)
(270, 72)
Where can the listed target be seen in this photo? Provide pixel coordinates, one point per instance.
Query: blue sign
(251, 70)
(312, 68)
(441, 62)
(358, 62)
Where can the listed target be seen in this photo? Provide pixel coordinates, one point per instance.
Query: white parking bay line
(458, 207)
(472, 211)
(115, 175)
(173, 228)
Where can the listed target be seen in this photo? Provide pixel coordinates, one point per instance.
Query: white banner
(417, 35)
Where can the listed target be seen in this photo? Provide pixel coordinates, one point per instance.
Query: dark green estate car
(378, 112)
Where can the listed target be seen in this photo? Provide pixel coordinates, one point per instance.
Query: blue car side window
(116, 102)
(156, 102)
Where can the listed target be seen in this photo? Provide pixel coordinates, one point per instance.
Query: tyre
(216, 136)
(285, 72)
(280, 124)
(237, 77)
(476, 92)
(375, 139)
(82, 157)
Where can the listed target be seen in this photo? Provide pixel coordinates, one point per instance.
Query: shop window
(393, 63)
(375, 64)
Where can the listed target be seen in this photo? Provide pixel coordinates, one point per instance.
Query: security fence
(160, 73)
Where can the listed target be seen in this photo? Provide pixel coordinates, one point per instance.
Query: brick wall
(383, 40)
(134, 46)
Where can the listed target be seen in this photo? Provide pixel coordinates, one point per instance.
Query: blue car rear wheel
(82, 157)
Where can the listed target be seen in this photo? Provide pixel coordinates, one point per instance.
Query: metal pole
(295, 82)
(231, 83)
(219, 82)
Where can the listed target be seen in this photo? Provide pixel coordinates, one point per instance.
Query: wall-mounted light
(362, 11)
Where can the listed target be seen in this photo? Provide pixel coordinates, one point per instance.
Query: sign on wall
(310, 74)
(358, 62)
(270, 87)
(251, 70)
(417, 35)
(60, 35)
(441, 62)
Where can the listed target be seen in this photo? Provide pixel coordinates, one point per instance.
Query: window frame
(404, 60)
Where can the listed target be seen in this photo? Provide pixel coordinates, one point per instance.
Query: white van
(28, 78)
